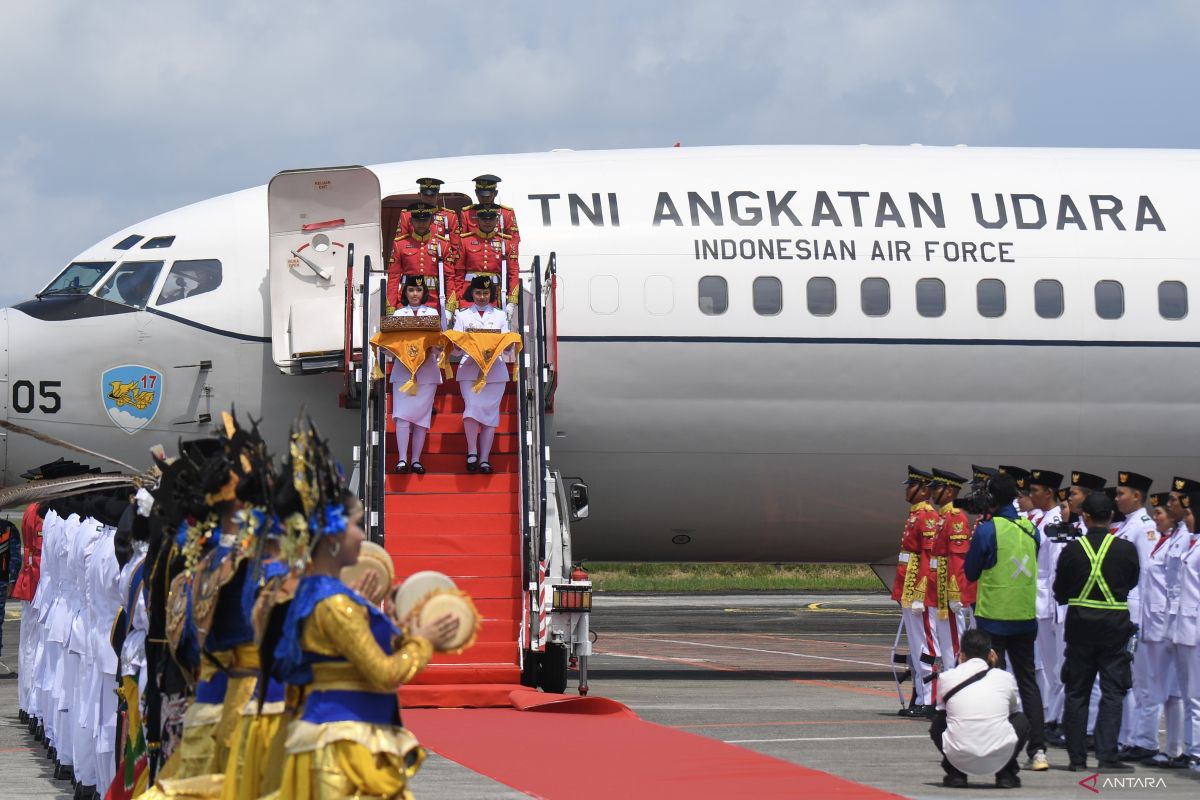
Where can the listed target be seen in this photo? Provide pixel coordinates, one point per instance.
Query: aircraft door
(315, 217)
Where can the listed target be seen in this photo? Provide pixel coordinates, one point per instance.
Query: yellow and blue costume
(348, 659)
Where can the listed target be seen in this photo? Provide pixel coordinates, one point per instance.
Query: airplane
(753, 342)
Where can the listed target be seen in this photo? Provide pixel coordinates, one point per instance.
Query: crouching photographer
(979, 727)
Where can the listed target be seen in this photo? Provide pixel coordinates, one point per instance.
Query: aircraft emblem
(132, 394)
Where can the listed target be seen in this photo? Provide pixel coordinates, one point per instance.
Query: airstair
(504, 538)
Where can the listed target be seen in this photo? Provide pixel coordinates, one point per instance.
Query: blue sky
(119, 110)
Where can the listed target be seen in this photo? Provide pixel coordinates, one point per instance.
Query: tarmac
(801, 677)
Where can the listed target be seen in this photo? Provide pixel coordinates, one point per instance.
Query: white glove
(955, 606)
(918, 605)
(145, 502)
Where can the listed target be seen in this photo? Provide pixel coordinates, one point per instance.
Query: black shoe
(954, 781)
(472, 464)
(1006, 780)
(485, 468)
(1077, 766)
(402, 467)
(22, 717)
(1160, 760)
(1135, 753)
(1114, 766)
(1056, 739)
(1183, 761)
(63, 772)
(417, 468)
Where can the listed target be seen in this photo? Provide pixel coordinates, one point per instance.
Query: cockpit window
(158, 242)
(78, 278)
(131, 283)
(190, 278)
(128, 242)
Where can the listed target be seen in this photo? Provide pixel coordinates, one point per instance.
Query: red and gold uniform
(955, 592)
(487, 254)
(915, 588)
(418, 255)
(445, 223)
(507, 223)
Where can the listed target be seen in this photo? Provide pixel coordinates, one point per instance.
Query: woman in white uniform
(482, 412)
(413, 413)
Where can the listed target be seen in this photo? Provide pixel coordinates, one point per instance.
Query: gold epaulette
(402, 236)
(471, 232)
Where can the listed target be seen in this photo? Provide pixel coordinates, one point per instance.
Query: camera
(979, 501)
(1060, 532)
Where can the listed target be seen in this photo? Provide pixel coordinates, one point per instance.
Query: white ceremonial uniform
(104, 600)
(80, 654)
(1049, 644)
(482, 406)
(979, 739)
(36, 622)
(133, 651)
(1156, 655)
(1184, 561)
(416, 408)
(1141, 532)
(46, 653)
(58, 628)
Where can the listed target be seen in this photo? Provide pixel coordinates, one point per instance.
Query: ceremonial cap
(948, 478)
(486, 182)
(1159, 499)
(982, 474)
(1086, 480)
(1184, 485)
(1190, 501)
(1045, 477)
(1134, 481)
(487, 212)
(422, 210)
(1061, 494)
(918, 476)
(1019, 475)
(429, 185)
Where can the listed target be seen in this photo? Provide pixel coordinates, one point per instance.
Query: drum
(371, 558)
(426, 596)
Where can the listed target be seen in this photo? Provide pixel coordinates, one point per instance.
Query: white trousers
(1187, 669)
(949, 634)
(921, 629)
(1049, 649)
(25, 657)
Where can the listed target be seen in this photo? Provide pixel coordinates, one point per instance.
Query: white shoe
(1038, 761)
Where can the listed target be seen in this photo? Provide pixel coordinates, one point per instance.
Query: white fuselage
(778, 436)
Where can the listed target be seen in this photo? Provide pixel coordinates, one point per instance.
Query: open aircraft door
(324, 231)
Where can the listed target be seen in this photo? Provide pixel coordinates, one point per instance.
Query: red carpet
(576, 748)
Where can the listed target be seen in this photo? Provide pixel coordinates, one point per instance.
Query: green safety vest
(1096, 580)
(1008, 590)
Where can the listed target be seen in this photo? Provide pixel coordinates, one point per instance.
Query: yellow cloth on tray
(410, 348)
(484, 349)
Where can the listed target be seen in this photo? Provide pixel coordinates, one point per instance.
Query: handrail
(529, 566)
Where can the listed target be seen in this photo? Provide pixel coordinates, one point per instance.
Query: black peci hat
(1045, 477)
(1159, 499)
(1134, 481)
(1184, 485)
(1019, 475)
(1086, 480)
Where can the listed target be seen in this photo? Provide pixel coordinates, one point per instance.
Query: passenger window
(1172, 300)
(78, 278)
(876, 297)
(931, 297)
(131, 283)
(659, 294)
(1048, 299)
(1110, 300)
(822, 296)
(603, 294)
(190, 278)
(714, 295)
(768, 296)
(990, 298)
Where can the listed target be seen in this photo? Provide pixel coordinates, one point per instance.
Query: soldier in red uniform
(487, 251)
(955, 592)
(445, 221)
(485, 190)
(418, 253)
(914, 585)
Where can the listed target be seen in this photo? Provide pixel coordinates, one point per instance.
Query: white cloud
(127, 421)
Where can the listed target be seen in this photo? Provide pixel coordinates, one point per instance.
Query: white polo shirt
(979, 739)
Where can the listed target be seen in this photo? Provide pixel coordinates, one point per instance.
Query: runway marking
(811, 607)
(771, 652)
(826, 739)
(792, 723)
(691, 662)
(843, 687)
